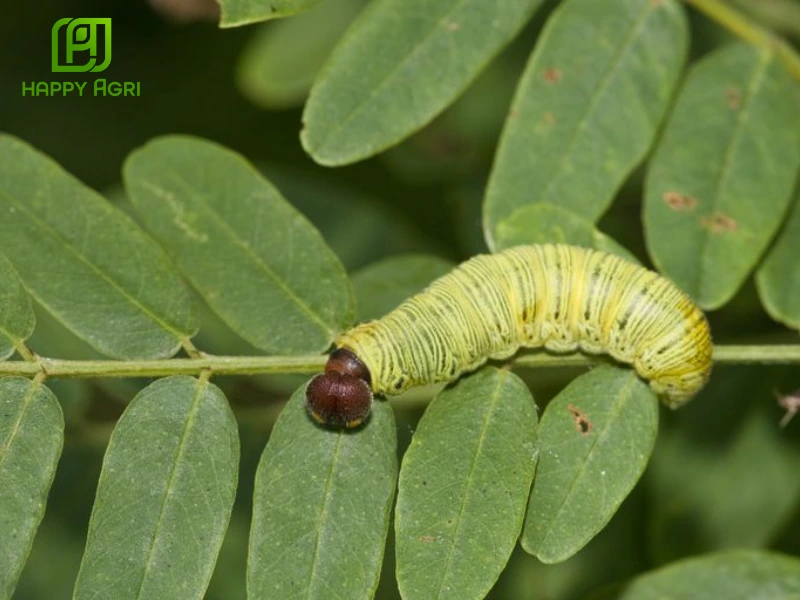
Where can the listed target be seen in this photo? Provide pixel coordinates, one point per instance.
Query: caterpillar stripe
(559, 297)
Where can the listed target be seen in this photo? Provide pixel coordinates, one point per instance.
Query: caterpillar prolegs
(562, 298)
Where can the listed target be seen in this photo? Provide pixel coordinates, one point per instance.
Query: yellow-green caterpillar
(562, 298)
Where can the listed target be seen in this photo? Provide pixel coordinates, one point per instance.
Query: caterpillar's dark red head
(341, 396)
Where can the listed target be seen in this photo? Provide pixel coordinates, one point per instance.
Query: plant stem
(751, 32)
(253, 365)
(219, 365)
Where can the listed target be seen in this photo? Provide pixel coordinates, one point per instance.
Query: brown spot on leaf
(427, 538)
(453, 26)
(680, 202)
(733, 97)
(552, 75)
(719, 223)
(513, 115)
(656, 2)
(582, 423)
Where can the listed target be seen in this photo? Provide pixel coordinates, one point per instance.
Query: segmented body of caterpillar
(562, 298)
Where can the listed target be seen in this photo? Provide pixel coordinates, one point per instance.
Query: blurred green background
(422, 196)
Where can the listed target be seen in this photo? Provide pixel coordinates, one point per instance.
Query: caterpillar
(563, 298)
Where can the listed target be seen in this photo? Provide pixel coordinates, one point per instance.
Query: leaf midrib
(32, 389)
(600, 91)
(200, 391)
(323, 514)
(742, 118)
(624, 397)
(389, 76)
(468, 483)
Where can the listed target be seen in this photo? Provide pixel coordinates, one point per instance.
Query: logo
(81, 46)
(75, 45)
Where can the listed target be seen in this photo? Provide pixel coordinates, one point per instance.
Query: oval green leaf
(276, 72)
(260, 265)
(321, 507)
(383, 285)
(234, 13)
(594, 442)
(778, 278)
(16, 314)
(86, 262)
(548, 224)
(588, 106)
(399, 65)
(31, 438)
(733, 575)
(165, 495)
(463, 486)
(715, 192)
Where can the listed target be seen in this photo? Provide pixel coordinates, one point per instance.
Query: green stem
(751, 32)
(723, 355)
(254, 365)
(25, 352)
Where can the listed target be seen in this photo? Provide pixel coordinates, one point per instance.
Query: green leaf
(588, 106)
(548, 224)
(383, 285)
(733, 575)
(594, 442)
(778, 278)
(275, 71)
(699, 478)
(235, 13)
(16, 315)
(399, 65)
(463, 487)
(31, 438)
(258, 263)
(86, 262)
(715, 190)
(321, 507)
(165, 495)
